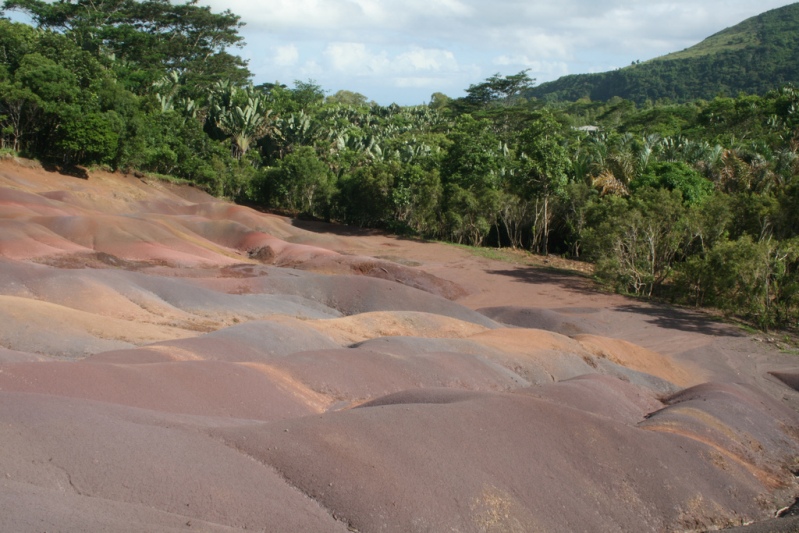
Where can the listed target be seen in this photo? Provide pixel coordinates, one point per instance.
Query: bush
(301, 183)
(636, 242)
(758, 281)
(675, 176)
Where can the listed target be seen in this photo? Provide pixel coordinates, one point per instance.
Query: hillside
(754, 57)
(172, 362)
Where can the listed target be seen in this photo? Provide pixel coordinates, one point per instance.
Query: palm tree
(617, 162)
(242, 115)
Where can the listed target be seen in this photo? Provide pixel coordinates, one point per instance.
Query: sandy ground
(171, 362)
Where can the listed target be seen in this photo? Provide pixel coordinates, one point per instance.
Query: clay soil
(173, 362)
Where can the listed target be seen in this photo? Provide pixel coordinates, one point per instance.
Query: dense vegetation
(696, 202)
(751, 57)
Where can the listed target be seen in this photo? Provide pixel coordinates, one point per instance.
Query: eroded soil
(172, 362)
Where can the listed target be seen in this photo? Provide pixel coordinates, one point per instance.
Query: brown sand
(173, 362)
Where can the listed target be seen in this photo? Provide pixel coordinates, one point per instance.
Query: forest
(753, 57)
(696, 203)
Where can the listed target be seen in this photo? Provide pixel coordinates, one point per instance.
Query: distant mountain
(755, 56)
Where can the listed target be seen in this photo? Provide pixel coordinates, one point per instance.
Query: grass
(495, 254)
(523, 257)
(163, 177)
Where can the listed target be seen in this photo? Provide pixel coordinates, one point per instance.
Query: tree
(345, 97)
(51, 82)
(242, 115)
(16, 40)
(88, 137)
(498, 89)
(616, 161)
(675, 177)
(544, 163)
(19, 109)
(439, 101)
(755, 280)
(142, 40)
(301, 182)
(636, 241)
(470, 175)
(366, 194)
(415, 197)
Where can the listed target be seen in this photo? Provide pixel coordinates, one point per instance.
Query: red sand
(173, 362)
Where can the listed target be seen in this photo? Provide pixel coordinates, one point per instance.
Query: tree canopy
(141, 39)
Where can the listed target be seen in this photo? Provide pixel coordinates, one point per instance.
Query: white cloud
(286, 56)
(357, 59)
(293, 15)
(412, 43)
(419, 82)
(421, 59)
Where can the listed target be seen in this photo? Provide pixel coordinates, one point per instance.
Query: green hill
(754, 56)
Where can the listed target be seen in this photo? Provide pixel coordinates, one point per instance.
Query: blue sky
(404, 50)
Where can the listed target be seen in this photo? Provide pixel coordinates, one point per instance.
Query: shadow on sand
(342, 230)
(681, 319)
(661, 315)
(318, 226)
(67, 170)
(572, 281)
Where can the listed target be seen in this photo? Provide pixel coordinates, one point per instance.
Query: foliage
(637, 241)
(755, 280)
(471, 177)
(542, 172)
(694, 201)
(143, 39)
(675, 176)
(751, 57)
(301, 183)
(496, 90)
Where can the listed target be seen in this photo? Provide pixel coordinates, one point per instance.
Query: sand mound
(12, 356)
(358, 328)
(144, 298)
(602, 396)
(17, 204)
(637, 358)
(274, 225)
(26, 507)
(375, 268)
(352, 295)
(349, 376)
(139, 239)
(738, 424)
(791, 380)
(547, 319)
(242, 371)
(41, 327)
(536, 355)
(116, 459)
(256, 341)
(502, 462)
(21, 240)
(193, 387)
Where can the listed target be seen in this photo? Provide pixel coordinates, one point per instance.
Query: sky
(403, 51)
